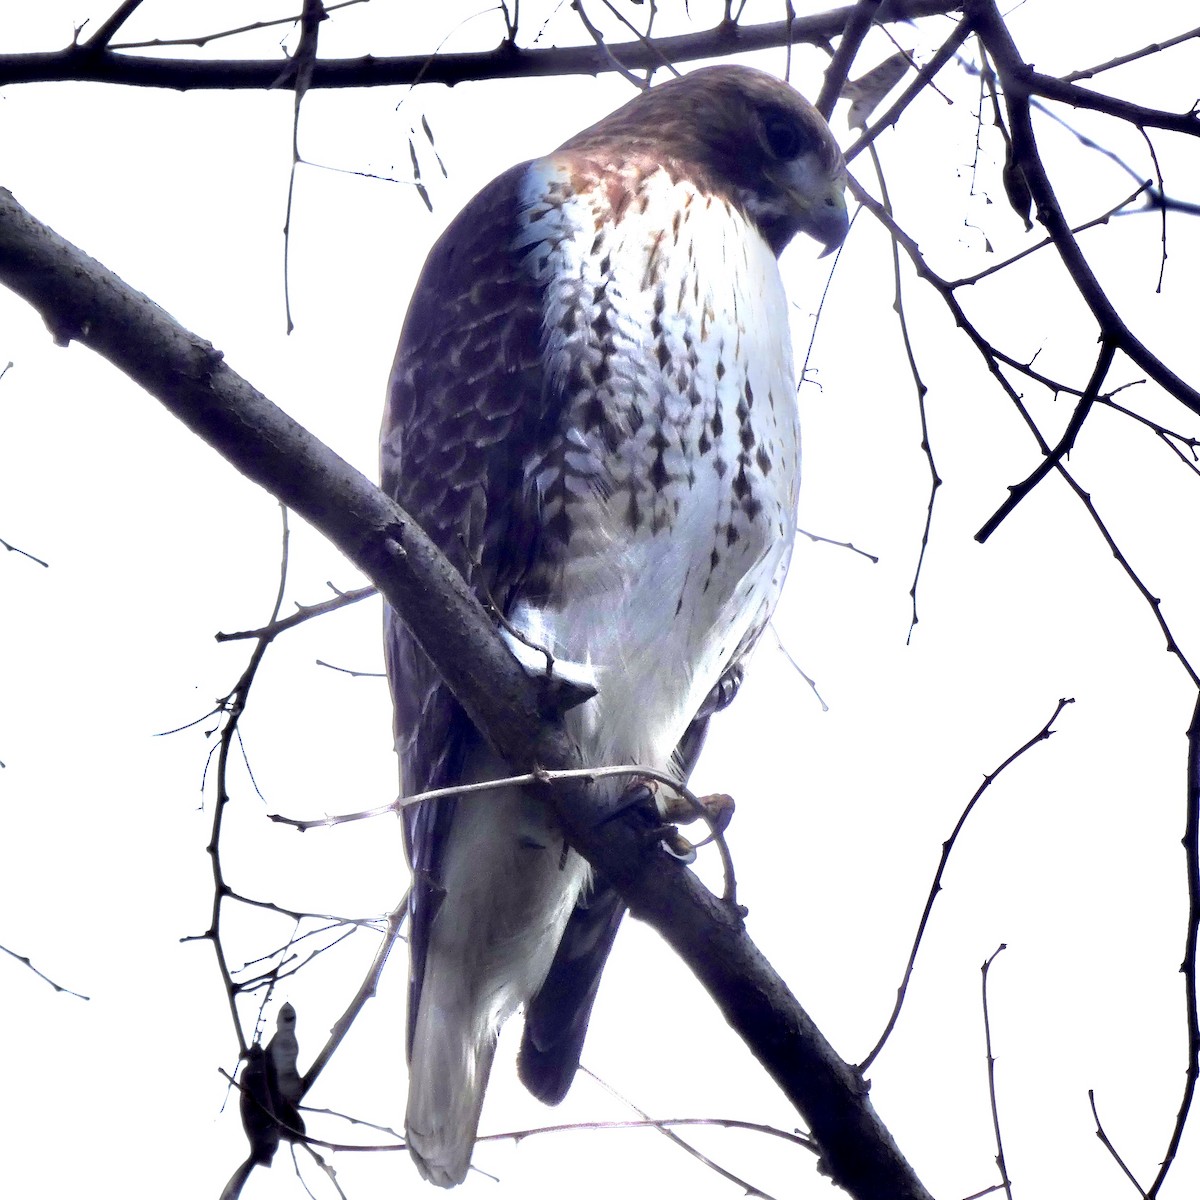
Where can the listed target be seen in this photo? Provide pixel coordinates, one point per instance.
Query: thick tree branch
(864, 14)
(98, 64)
(81, 300)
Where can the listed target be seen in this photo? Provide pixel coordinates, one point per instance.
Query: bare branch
(23, 553)
(669, 1133)
(1018, 82)
(993, 360)
(991, 1069)
(936, 887)
(232, 708)
(1103, 219)
(1104, 1140)
(1191, 848)
(365, 992)
(298, 72)
(519, 1135)
(1133, 56)
(857, 26)
(1035, 83)
(108, 30)
(25, 961)
(919, 386)
(202, 39)
(816, 537)
(506, 62)
(305, 612)
(1017, 492)
(614, 63)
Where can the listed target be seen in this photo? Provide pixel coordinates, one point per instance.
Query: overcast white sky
(154, 544)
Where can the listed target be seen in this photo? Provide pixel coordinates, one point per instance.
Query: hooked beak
(828, 220)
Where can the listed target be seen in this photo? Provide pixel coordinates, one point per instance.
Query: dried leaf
(866, 92)
(422, 190)
(433, 147)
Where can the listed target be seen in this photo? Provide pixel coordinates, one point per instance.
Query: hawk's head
(740, 133)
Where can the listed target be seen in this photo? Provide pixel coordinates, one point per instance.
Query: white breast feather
(642, 609)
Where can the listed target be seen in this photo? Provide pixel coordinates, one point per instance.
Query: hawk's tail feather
(448, 1074)
(556, 1019)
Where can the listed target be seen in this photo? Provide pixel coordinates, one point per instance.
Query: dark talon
(639, 796)
(677, 846)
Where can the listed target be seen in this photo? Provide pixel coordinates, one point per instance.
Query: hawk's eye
(784, 137)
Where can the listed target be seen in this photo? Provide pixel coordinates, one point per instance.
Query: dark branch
(936, 887)
(107, 31)
(1137, 114)
(991, 1070)
(1107, 1144)
(25, 961)
(1016, 79)
(858, 25)
(1191, 848)
(1019, 491)
(88, 64)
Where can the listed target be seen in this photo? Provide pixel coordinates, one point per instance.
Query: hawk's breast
(667, 492)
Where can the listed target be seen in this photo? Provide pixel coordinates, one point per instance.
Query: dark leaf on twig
(1016, 187)
(258, 1117)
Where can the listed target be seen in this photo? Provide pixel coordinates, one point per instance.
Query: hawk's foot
(716, 809)
(646, 802)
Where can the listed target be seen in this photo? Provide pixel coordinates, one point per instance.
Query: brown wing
(466, 407)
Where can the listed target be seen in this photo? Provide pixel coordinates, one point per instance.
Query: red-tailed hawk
(593, 413)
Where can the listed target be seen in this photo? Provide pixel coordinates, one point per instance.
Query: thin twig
(299, 73)
(24, 553)
(935, 888)
(748, 1188)
(519, 1135)
(645, 39)
(1103, 219)
(320, 662)
(1107, 1144)
(365, 991)
(58, 987)
(993, 360)
(233, 706)
(597, 37)
(922, 390)
(1122, 59)
(991, 1069)
(201, 40)
(584, 774)
(1191, 848)
(1018, 491)
(812, 683)
(816, 537)
(304, 612)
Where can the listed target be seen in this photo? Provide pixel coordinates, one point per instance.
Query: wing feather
(465, 403)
